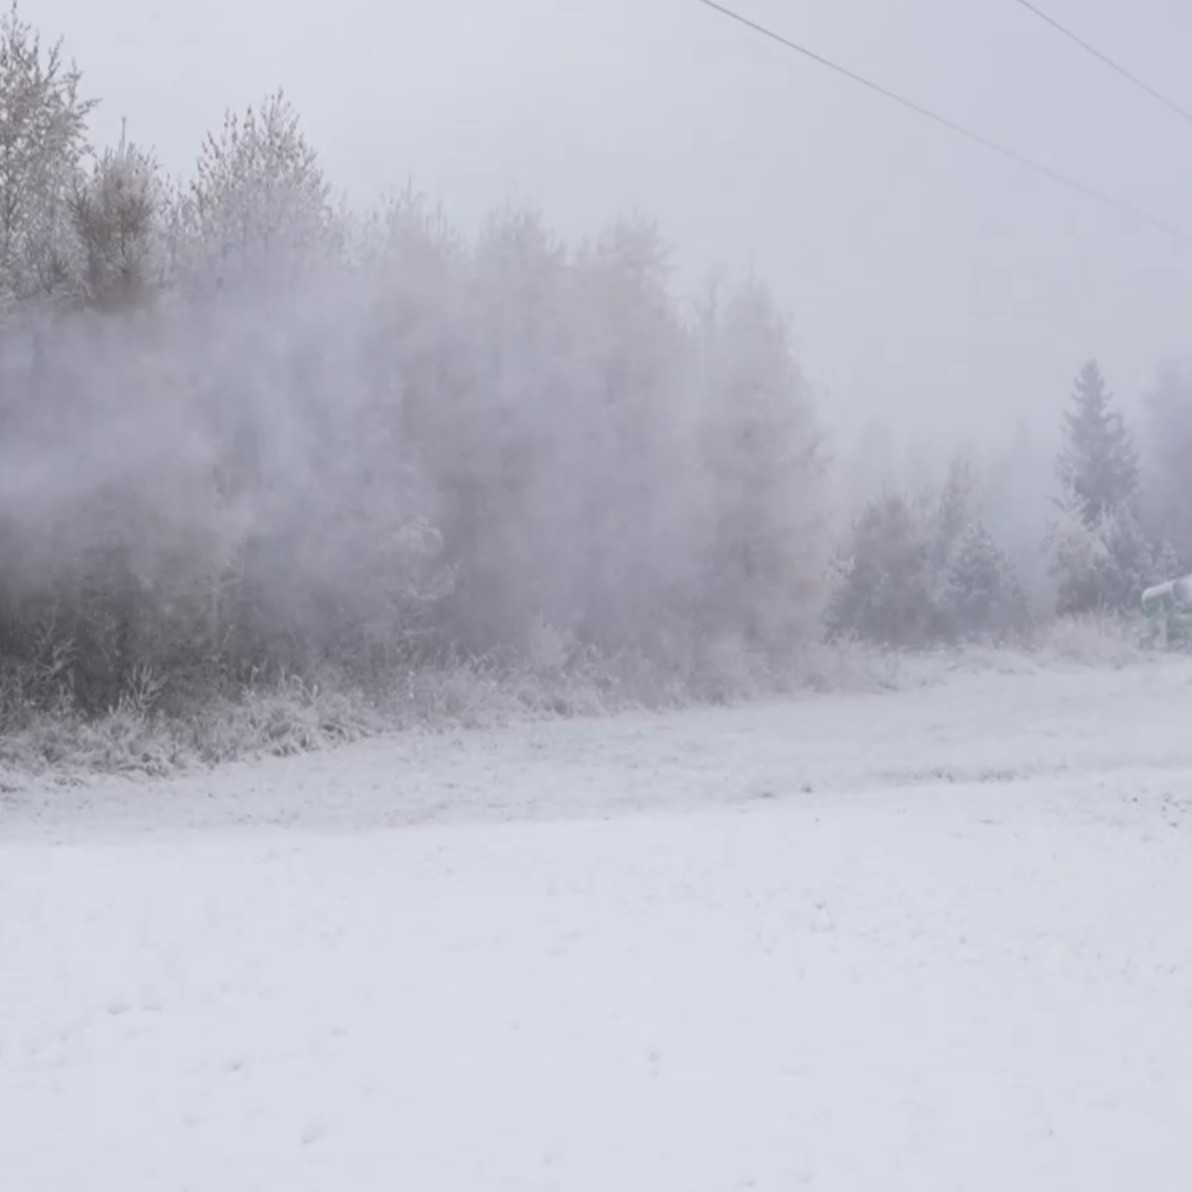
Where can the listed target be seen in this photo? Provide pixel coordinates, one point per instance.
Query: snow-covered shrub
(1093, 639)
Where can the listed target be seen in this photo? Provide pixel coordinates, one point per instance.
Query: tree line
(936, 565)
(245, 431)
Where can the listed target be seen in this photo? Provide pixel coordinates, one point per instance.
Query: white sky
(927, 280)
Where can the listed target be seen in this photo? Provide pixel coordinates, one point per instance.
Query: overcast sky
(925, 278)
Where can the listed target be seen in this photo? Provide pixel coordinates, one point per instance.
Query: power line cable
(1122, 206)
(1113, 65)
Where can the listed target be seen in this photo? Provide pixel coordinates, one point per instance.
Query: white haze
(930, 284)
(250, 429)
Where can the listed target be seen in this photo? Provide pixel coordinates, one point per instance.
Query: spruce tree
(1102, 556)
(115, 215)
(885, 591)
(983, 596)
(1098, 465)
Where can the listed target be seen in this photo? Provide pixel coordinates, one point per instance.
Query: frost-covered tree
(955, 508)
(43, 141)
(885, 592)
(115, 213)
(1098, 465)
(258, 210)
(1102, 558)
(630, 419)
(929, 569)
(1019, 508)
(981, 595)
(483, 422)
(975, 591)
(763, 460)
(1103, 566)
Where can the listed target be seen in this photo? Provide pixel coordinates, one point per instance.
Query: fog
(374, 340)
(929, 284)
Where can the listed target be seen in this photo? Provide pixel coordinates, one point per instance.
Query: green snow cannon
(1168, 611)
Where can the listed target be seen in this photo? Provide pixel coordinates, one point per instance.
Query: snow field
(950, 949)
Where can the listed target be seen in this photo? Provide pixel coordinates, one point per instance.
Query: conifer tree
(1098, 465)
(1098, 469)
(115, 217)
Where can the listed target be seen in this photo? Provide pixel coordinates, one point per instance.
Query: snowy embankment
(932, 939)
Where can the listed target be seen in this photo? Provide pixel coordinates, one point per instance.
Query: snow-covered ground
(932, 939)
